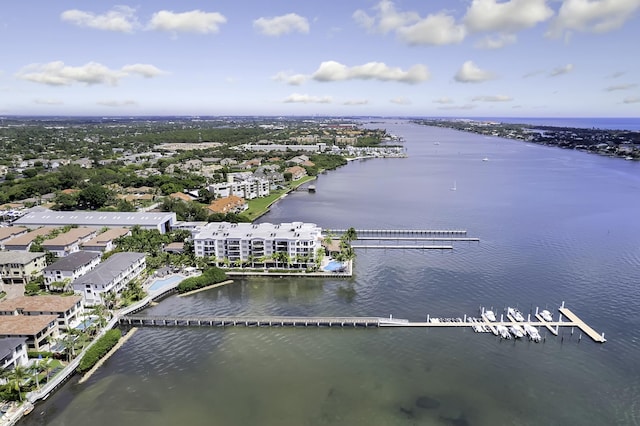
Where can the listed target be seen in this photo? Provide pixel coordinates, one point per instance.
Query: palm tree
(350, 235)
(15, 379)
(35, 370)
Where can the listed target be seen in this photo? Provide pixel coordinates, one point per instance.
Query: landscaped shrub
(99, 349)
(43, 354)
(211, 276)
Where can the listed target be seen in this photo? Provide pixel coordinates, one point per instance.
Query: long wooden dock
(404, 231)
(356, 322)
(401, 246)
(471, 239)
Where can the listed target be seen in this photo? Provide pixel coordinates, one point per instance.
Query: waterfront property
(13, 352)
(35, 329)
(110, 276)
(67, 309)
(70, 268)
(21, 267)
(264, 245)
(146, 220)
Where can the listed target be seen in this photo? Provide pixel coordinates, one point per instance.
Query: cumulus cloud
(400, 100)
(48, 102)
(631, 100)
(335, 71)
(356, 102)
(471, 73)
(127, 102)
(284, 24)
(595, 16)
(434, 29)
(493, 98)
(58, 74)
(496, 42)
(621, 87)
(307, 99)
(120, 19)
(507, 17)
(566, 69)
(292, 79)
(195, 21)
(443, 100)
(145, 70)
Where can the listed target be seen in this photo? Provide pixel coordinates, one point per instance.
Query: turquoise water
(334, 265)
(161, 283)
(554, 225)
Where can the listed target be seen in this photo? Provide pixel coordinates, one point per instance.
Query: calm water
(611, 123)
(554, 225)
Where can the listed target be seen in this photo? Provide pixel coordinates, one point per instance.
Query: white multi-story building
(288, 245)
(112, 275)
(247, 188)
(70, 268)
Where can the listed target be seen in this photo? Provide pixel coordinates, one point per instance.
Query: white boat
(454, 188)
(546, 315)
(533, 332)
(503, 331)
(436, 143)
(485, 159)
(516, 331)
(490, 316)
(516, 314)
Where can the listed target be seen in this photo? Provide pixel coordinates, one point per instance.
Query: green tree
(93, 197)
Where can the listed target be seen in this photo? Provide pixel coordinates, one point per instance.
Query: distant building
(105, 242)
(69, 242)
(230, 204)
(297, 172)
(112, 275)
(260, 243)
(23, 241)
(10, 232)
(20, 267)
(248, 188)
(146, 220)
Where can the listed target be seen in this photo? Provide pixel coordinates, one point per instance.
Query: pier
(403, 231)
(400, 246)
(481, 324)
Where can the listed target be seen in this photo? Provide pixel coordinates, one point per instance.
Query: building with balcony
(18, 267)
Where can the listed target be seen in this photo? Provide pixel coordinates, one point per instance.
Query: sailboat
(454, 188)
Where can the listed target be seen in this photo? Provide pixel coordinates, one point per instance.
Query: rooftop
(24, 325)
(40, 303)
(26, 239)
(95, 218)
(22, 257)
(69, 237)
(105, 272)
(73, 261)
(107, 236)
(282, 231)
(10, 231)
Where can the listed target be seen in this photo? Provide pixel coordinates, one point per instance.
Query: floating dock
(481, 324)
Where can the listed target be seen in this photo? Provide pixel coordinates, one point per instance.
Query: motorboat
(503, 331)
(485, 159)
(489, 315)
(533, 332)
(516, 314)
(546, 315)
(516, 331)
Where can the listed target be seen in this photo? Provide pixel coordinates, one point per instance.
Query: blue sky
(538, 58)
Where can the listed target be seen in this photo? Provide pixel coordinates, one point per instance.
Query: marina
(482, 324)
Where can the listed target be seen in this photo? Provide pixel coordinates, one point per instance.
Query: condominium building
(112, 275)
(290, 245)
(17, 267)
(67, 309)
(69, 242)
(247, 188)
(70, 268)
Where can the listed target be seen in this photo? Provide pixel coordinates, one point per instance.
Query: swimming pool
(158, 284)
(334, 266)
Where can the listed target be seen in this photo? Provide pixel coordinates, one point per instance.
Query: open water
(555, 225)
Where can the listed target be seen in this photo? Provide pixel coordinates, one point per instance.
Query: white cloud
(292, 79)
(284, 24)
(471, 73)
(631, 100)
(617, 74)
(439, 29)
(400, 101)
(195, 21)
(561, 70)
(620, 87)
(121, 19)
(356, 102)
(443, 100)
(493, 98)
(58, 74)
(496, 42)
(307, 99)
(533, 73)
(510, 16)
(127, 102)
(145, 70)
(435, 29)
(335, 71)
(48, 101)
(596, 16)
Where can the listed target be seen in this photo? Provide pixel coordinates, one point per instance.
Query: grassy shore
(260, 206)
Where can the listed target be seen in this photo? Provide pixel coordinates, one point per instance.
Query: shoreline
(102, 360)
(268, 206)
(209, 287)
